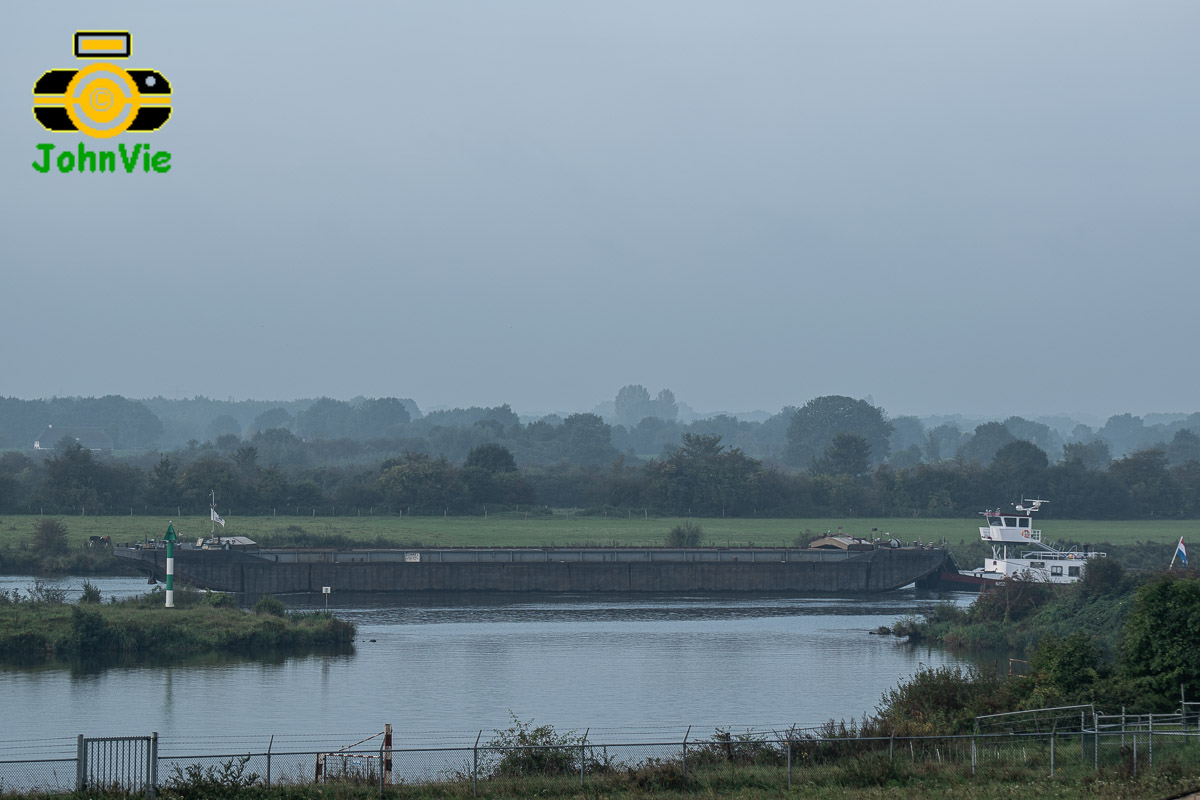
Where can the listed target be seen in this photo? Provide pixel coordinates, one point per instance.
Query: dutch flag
(1181, 551)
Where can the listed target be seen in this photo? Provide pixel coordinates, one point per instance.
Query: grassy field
(507, 530)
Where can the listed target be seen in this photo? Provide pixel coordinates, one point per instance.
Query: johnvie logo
(102, 100)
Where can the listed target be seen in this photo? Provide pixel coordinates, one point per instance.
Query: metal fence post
(685, 738)
(152, 789)
(80, 764)
(270, 745)
(1095, 742)
(582, 755)
(475, 767)
(381, 771)
(1082, 748)
(1135, 738)
(973, 749)
(892, 745)
(789, 762)
(1150, 749)
(1053, 730)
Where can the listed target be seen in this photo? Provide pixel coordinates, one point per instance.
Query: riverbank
(560, 528)
(872, 779)
(41, 625)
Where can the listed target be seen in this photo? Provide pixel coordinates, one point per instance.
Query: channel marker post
(170, 539)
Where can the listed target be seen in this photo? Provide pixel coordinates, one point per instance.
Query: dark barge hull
(267, 571)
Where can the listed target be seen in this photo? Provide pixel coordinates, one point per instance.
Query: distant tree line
(275, 470)
(833, 456)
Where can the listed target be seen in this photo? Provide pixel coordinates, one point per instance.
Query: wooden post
(387, 754)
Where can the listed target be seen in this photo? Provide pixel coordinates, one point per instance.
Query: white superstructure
(1011, 535)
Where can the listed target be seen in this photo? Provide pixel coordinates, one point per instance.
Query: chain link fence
(1124, 744)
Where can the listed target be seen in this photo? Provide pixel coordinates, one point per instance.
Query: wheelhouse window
(1056, 570)
(1037, 564)
(1010, 522)
(1024, 522)
(1073, 572)
(994, 522)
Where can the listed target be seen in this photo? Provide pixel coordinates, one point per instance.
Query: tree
(942, 443)
(224, 425)
(49, 536)
(380, 417)
(164, 483)
(664, 406)
(1040, 434)
(491, 457)
(73, 477)
(1064, 668)
(1152, 490)
(848, 454)
(1019, 470)
(633, 405)
(271, 418)
(814, 426)
(586, 440)
(906, 432)
(1161, 638)
(988, 439)
(1124, 433)
(702, 477)
(1184, 447)
(326, 419)
(1093, 455)
(422, 483)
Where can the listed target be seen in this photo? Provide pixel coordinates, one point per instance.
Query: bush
(270, 605)
(230, 781)
(91, 593)
(548, 753)
(45, 593)
(689, 534)
(49, 537)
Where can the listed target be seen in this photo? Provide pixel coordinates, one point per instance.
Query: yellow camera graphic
(102, 99)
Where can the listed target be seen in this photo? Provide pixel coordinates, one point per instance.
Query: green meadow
(512, 530)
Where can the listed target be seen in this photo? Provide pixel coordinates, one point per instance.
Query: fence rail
(1126, 743)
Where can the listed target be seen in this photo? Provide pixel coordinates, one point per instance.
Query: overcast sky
(953, 207)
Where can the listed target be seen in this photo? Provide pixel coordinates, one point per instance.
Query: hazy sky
(952, 207)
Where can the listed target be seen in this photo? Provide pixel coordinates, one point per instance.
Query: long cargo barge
(256, 570)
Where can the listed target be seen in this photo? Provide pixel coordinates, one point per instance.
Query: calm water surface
(442, 668)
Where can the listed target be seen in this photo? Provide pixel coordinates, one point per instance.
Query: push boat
(1018, 553)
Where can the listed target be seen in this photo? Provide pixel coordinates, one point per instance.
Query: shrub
(689, 534)
(49, 537)
(269, 604)
(230, 781)
(91, 593)
(45, 593)
(525, 750)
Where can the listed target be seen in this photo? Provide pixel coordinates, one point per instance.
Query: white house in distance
(87, 438)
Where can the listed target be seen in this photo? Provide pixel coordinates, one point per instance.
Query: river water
(440, 669)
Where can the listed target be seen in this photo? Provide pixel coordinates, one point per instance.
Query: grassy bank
(872, 777)
(507, 530)
(40, 625)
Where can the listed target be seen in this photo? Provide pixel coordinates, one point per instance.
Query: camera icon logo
(102, 100)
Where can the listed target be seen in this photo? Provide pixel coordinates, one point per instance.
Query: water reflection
(459, 664)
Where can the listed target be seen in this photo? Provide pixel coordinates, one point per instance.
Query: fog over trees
(829, 455)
